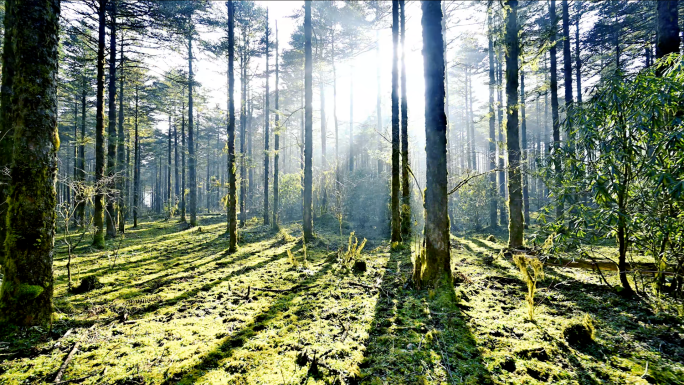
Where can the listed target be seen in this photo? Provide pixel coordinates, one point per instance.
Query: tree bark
(434, 268)
(667, 28)
(7, 132)
(192, 161)
(405, 182)
(136, 161)
(515, 215)
(232, 192)
(110, 214)
(27, 285)
(554, 104)
(492, 124)
(308, 127)
(578, 58)
(183, 151)
(396, 220)
(267, 155)
(98, 215)
(121, 151)
(502, 151)
(523, 141)
(243, 132)
(276, 142)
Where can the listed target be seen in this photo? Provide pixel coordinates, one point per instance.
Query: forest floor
(174, 307)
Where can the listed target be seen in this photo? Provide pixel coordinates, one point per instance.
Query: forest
(341, 192)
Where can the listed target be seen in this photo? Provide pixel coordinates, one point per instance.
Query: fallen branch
(294, 288)
(62, 368)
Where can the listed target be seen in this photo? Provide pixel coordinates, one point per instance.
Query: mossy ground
(176, 307)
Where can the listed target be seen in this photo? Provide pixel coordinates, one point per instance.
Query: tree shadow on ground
(413, 340)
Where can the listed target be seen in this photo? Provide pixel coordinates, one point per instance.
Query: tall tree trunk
(378, 101)
(567, 58)
(515, 201)
(80, 210)
(492, 124)
(98, 215)
(468, 121)
(176, 161)
(667, 28)
(6, 130)
(434, 268)
(502, 151)
(276, 143)
(267, 154)
(136, 161)
(121, 149)
(578, 57)
(183, 151)
(192, 160)
(243, 126)
(232, 192)
(523, 140)
(337, 133)
(351, 113)
(554, 104)
(396, 219)
(405, 185)
(308, 127)
(168, 166)
(27, 285)
(110, 214)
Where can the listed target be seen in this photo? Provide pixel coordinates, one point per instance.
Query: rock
(491, 238)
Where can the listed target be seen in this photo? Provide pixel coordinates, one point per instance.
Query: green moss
(27, 292)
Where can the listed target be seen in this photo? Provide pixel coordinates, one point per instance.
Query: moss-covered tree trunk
(493, 204)
(405, 183)
(232, 193)
(98, 214)
(434, 269)
(6, 128)
(308, 126)
(515, 201)
(110, 214)
(27, 285)
(394, 201)
(503, 217)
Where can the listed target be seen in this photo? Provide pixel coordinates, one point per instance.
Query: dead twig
(60, 373)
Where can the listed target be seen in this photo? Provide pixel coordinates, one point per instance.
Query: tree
(6, 130)
(667, 28)
(434, 268)
(98, 220)
(232, 193)
(267, 155)
(276, 142)
(515, 202)
(396, 219)
(110, 213)
(492, 123)
(308, 126)
(555, 122)
(27, 285)
(405, 183)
